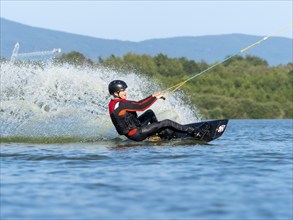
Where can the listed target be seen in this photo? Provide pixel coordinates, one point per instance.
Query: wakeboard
(209, 131)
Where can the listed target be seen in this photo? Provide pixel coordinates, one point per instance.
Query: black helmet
(116, 86)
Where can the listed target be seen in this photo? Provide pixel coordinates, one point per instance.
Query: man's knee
(149, 111)
(166, 122)
(152, 115)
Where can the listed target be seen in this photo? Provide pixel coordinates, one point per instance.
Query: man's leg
(168, 125)
(155, 127)
(147, 117)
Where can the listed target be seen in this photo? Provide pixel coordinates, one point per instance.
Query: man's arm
(133, 106)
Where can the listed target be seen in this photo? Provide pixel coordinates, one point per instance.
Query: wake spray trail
(68, 102)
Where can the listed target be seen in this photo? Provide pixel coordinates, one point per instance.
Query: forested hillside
(242, 87)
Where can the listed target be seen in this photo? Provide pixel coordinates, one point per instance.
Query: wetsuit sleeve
(144, 100)
(132, 106)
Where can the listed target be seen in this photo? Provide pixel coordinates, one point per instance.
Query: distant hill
(276, 50)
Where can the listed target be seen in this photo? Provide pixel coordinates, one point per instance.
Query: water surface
(246, 174)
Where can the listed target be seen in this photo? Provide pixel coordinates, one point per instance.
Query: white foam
(67, 101)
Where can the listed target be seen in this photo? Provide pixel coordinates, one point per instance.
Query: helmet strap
(115, 96)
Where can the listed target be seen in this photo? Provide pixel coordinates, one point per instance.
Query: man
(126, 121)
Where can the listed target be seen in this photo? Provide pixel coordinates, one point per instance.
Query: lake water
(245, 174)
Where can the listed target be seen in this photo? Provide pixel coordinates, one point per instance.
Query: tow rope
(169, 91)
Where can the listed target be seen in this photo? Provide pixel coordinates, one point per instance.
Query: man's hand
(159, 95)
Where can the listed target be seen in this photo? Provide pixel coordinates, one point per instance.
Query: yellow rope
(265, 38)
(175, 87)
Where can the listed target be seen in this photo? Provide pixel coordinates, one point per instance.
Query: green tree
(242, 87)
(74, 58)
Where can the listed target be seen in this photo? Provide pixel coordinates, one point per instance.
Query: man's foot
(193, 132)
(200, 131)
(205, 127)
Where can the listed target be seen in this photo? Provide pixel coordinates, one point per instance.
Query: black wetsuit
(125, 119)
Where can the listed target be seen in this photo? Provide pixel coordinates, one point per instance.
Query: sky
(142, 20)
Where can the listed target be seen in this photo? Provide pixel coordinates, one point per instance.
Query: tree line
(242, 87)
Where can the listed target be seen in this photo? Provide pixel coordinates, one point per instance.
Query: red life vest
(123, 113)
(122, 122)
